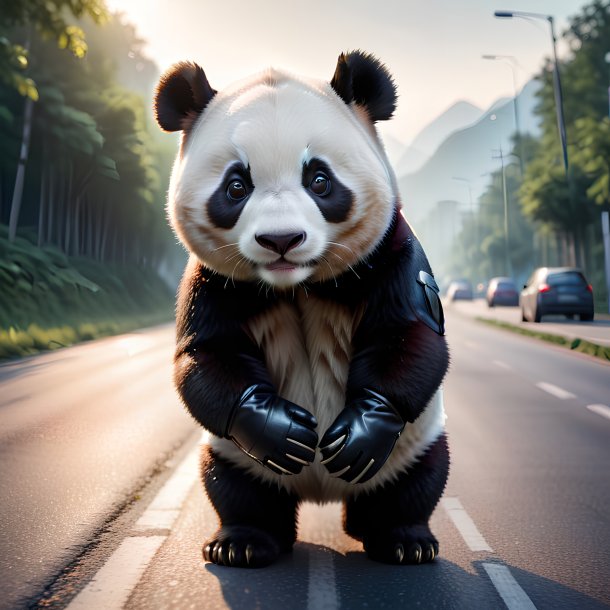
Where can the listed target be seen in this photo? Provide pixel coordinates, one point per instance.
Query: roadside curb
(575, 344)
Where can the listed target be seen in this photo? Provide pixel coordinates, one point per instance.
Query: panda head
(280, 179)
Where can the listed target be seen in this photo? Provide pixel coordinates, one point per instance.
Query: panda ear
(182, 94)
(361, 78)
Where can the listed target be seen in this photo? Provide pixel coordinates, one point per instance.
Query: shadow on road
(357, 582)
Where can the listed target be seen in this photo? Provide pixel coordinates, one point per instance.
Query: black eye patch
(228, 200)
(332, 197)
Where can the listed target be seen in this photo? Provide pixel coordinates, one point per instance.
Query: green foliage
(44, 18)
(81, 299)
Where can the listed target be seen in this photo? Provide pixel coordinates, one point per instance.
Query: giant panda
(310, 335)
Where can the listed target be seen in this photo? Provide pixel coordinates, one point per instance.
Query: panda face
(280, 181)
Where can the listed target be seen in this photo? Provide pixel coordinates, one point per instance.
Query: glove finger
(363, 469)
(298, 451)
(283, 465)
(302, 416)
(337, 429)
(300, 435)
(341, 459)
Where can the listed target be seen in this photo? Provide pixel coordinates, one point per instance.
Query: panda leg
(392, 521)
(257, 521)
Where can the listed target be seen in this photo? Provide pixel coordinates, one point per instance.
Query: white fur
(273, 123)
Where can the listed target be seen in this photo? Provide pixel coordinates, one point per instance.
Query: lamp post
(512, 63)
(556, 78)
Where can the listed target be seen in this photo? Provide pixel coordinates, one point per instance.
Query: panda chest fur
(307, 342)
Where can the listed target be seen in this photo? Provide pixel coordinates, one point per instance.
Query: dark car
(459, 290)
(556, 290)
(502, 291)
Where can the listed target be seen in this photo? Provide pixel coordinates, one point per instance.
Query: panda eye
(236, 191)
(320, 185)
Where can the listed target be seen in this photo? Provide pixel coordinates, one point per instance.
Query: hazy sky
(432, 47)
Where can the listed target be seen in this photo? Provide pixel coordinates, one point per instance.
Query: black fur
(335, 206)
(392, 522)
(223, 212)
(182, 94)
(253, 514)
(361, 78)
(395, 353)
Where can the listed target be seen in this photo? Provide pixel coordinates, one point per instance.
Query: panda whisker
(225, 246)
(239, 262)
(331, 269)
(346, 263)
(334, 243)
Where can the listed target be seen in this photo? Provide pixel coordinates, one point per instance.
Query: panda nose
(280, 243)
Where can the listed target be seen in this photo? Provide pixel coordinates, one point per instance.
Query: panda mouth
(281, 265)
(284, 265)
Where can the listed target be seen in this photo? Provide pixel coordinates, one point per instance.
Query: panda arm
(223, 381)
(399, 350)
(400, 358)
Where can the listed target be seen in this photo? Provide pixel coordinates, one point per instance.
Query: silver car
(556, 290)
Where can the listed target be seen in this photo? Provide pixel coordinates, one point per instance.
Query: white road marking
(111, 587)
(603, 410)
(116, 579)
(555, 391)
(503, 365)
(165, 508)
(511, 593)
(321, 587)
(465, 525)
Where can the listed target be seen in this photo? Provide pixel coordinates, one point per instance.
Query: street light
(556, 79)
(512, 63)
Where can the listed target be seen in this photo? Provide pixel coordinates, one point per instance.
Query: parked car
(502, 291)
(459, 289)
(556, 290)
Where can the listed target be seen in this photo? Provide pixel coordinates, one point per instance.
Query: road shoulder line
(465, 525)
(114, 582)
(509, 589)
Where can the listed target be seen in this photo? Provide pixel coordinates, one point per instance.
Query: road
(596, 331)
(524, 517)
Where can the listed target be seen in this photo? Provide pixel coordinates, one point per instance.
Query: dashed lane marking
(465, 525)
(114, 582)
(511, 593)
(603, 410)
(503, 365)
(165, 508)
(321, 587)
(507, 587)
(555, 391)
(111, 587)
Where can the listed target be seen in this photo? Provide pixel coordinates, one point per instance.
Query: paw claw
(232, 551)
(400, 553)
(249, 553)
(415, 553)
(215, 549)
(207, 552)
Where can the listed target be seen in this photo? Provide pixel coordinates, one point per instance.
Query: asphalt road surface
(103, 483)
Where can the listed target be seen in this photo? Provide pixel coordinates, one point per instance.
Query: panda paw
(402, 545)
(241, 547)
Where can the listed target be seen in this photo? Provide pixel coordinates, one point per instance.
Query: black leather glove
(273, 431)
(361, 438)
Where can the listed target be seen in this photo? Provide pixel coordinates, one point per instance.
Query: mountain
(459, 115)
(467, 154)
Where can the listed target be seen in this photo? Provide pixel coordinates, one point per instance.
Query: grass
(577, 345)
(48, 300)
